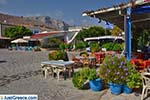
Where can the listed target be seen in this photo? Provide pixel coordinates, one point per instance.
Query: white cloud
(3, 2)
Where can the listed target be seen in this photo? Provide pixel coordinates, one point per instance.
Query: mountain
(45, 23)
(51, 22)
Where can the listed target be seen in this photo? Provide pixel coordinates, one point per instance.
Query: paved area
(20, 73)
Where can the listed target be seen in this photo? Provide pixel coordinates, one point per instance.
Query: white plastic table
(63, 64)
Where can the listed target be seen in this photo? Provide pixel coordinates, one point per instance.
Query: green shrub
(80, 45)
(79, 78)
(58, 55)
(64, 46)
(117, 47)
(134, 79)
(54, 42)
(51, 42)
(69, 46)
(108, 46)
(92, 74)
(113, 46)
(116, 69)
(95, 47)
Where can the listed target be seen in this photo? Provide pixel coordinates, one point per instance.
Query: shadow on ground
(8, 79)
(3, 61)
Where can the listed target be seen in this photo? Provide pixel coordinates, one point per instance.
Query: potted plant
(86, 75)
(94, 81)
(115, 71)
(134, 81)
(80, 78)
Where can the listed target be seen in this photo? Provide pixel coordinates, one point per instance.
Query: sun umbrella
(19, 40)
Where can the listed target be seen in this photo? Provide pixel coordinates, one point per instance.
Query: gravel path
(20, 73)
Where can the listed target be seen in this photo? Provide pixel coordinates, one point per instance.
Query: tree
(142, 39)
(94, 31)
(51, 42)
(116, 31)
(17, 32)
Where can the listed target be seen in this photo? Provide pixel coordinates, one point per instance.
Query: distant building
(35, 30)
(72, 33)
(67, 35)
(41, 36)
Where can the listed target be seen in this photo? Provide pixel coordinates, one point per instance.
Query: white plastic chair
(57, 70)
(53, 69)
(46, 69)
(146, 84)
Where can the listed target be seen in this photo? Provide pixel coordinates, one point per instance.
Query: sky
(69, 11)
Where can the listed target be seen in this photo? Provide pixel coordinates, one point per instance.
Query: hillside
(42, 22)
(51, 22)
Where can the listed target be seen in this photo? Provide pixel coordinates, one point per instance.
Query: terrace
(133, 15)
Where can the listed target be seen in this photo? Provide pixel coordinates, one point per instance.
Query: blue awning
(141, 10)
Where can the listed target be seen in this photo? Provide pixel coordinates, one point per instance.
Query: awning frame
(121, 15)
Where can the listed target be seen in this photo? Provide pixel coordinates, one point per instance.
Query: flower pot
(115, 88)
(96, 85)
(126, 89)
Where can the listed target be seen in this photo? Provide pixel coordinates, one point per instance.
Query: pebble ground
(20, 73)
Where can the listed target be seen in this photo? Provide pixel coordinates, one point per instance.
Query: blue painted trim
(141, 10)
(128, 33)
